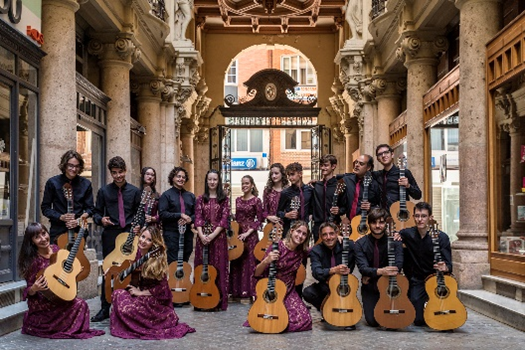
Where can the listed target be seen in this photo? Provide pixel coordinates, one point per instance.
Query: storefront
(20, 57)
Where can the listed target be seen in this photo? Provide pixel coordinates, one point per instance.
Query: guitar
(393, 309)
(338, 190)
(235, 245)
(126, 242)
(119, 277)
(402, 210)
(300, 276)
(61, 275)
(204, 293)
(264, 243)
(66, 240)
(179, 274)
(295, 204)
(341, 308)
(359, 224)
(444, 311)
(268, 313)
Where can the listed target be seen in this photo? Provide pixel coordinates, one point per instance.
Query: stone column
(352, 145)
(419, 53)
(388, 99)
(187, 136)
(480, 21)
(367, 119)
(116, 60)
(58, 85)
(167, 145)
(149, 99)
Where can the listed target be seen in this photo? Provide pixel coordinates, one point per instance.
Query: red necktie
(121, 216)
(376, 255)
(356, 199)
(383, 197)
(182, 207)
(332, 260)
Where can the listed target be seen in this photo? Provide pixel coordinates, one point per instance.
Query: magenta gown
(45, 319)
(299, 318)
(270, 202)
(218, 214)
(249, 215)
(146, 317)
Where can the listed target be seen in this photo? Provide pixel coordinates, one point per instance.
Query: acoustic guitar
(338, 190)
(204, 293)
(341, 308)
(402, 210)
(300, 276)
(179, 273)
(120, 277)
(126, 242)
(444, 311)
(66, 240)
(359, 223)
(266, 241)
(61, 275)
(268, 313)
(235, 245)
(393, 309)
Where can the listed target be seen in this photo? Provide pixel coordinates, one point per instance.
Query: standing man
(389, 180)
(298, 189)
(323, 196)
(54, 203)
(117, 204)
(326, 259)
(419, 257)
(371, 252)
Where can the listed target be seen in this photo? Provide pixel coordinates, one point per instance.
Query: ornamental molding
(413, 47)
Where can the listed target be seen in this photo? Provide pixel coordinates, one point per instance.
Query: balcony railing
(158, 8)
(378, 8)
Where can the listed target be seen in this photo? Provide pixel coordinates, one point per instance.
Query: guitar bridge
(394, 312)
(444, 312)
(61, 281)
(342, 311)
(268, 317)
(180, 290)
(232, 247)
(204, 294)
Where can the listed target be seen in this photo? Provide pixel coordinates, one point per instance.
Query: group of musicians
(286, 201)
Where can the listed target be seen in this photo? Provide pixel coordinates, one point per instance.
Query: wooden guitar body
(300, 276)
(341, 308)
(64, 243)
(403, 217)
(235, 245)
(444, 311)
(264, 243)
(394, 309)
(62, 285)
(358, 229)
(204, 293)
(119, 254)
(112, 280)
(179, 282)
(268, 313)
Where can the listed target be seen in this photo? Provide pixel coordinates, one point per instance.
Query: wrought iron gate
(221, 152)
(321, 145)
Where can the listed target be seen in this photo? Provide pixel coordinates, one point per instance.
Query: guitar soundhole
(442, 292)
(403, 215)
(393, 291)
(362, 229)
(205, 277)
(125, 250)
(269, 297)
(343, 290)
(68, 270)
(179, 274)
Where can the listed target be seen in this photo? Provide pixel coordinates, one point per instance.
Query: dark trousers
(370, 296)
(108, 245)
(418, 296)
(171, 238)
(315, 231)
(316, 293)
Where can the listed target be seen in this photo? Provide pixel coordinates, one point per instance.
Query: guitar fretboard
(68, 264)
(346, 251)
(402, 192)
(180, 256)
(273, 272)
(437, 257)
(391, 259)
(135, 265)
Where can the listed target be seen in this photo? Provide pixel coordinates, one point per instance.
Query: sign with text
(244, 163)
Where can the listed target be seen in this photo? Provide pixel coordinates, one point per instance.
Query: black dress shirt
(389, 191)
(419, 253)
(170, 208)
(364, 254)
(54, 203)
(351, 181)
(286, 199)
(107, 204)
(321, 259)
(322, 200)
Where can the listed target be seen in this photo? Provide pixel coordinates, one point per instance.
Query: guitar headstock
(433, 228)
(207, 229)
(68, 191)
(276, 233)
(367, 180)
(340, 186)
(226, 187)
(153, 253)
(345, 228)
(296, 203)
(146, 195)
(390, 226)
(402, 162)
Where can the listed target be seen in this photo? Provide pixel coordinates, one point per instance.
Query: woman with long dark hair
(213, 208)
(149, 178)
(145, 311)
(46, 319)
(277, 181)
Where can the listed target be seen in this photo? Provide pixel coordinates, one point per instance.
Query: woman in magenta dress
(46, 319)
(145, 311)
(277, 181)
(249, 215)
(149, 178)
(292, 250)
(213, 207)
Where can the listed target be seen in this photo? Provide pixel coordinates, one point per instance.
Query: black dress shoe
(349, 328)
(100, 316)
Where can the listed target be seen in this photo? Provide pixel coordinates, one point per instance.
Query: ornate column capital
(189, 126)
(389, 86)
(123, 48)
(147, 87)
(414, 47)
(73, 5)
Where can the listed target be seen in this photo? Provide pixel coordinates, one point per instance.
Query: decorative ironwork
(220, 152)
(264, 122)
(321, 145)
(158, 9)
(378, 8)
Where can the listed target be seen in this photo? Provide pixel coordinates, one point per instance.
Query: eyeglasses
(181, 177)
(385, 153)
(73, 166)
(360, 163)
(420, 216)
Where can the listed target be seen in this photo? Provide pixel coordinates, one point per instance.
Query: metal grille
(378, 8)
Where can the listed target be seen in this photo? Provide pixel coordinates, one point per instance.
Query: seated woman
(145, 311)
(46, 319)
(292, 250)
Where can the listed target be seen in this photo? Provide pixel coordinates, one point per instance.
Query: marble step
(498, 307)
(11, 317)
(11, 293)
(504, 286)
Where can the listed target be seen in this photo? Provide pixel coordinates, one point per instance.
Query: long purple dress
(270, 202)
(249, 215)
(46, 319)
(299, 318)
(146, 317)
(218, 215)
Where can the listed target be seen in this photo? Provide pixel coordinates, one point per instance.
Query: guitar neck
(134, 266)
(70, 210)
(180, 256)
(273, 271)
(205, 253)
(68, 265)
(402, 192)
(346, 251)
(437, 258)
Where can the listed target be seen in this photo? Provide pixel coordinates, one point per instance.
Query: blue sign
(432, 162)
(244, 163)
